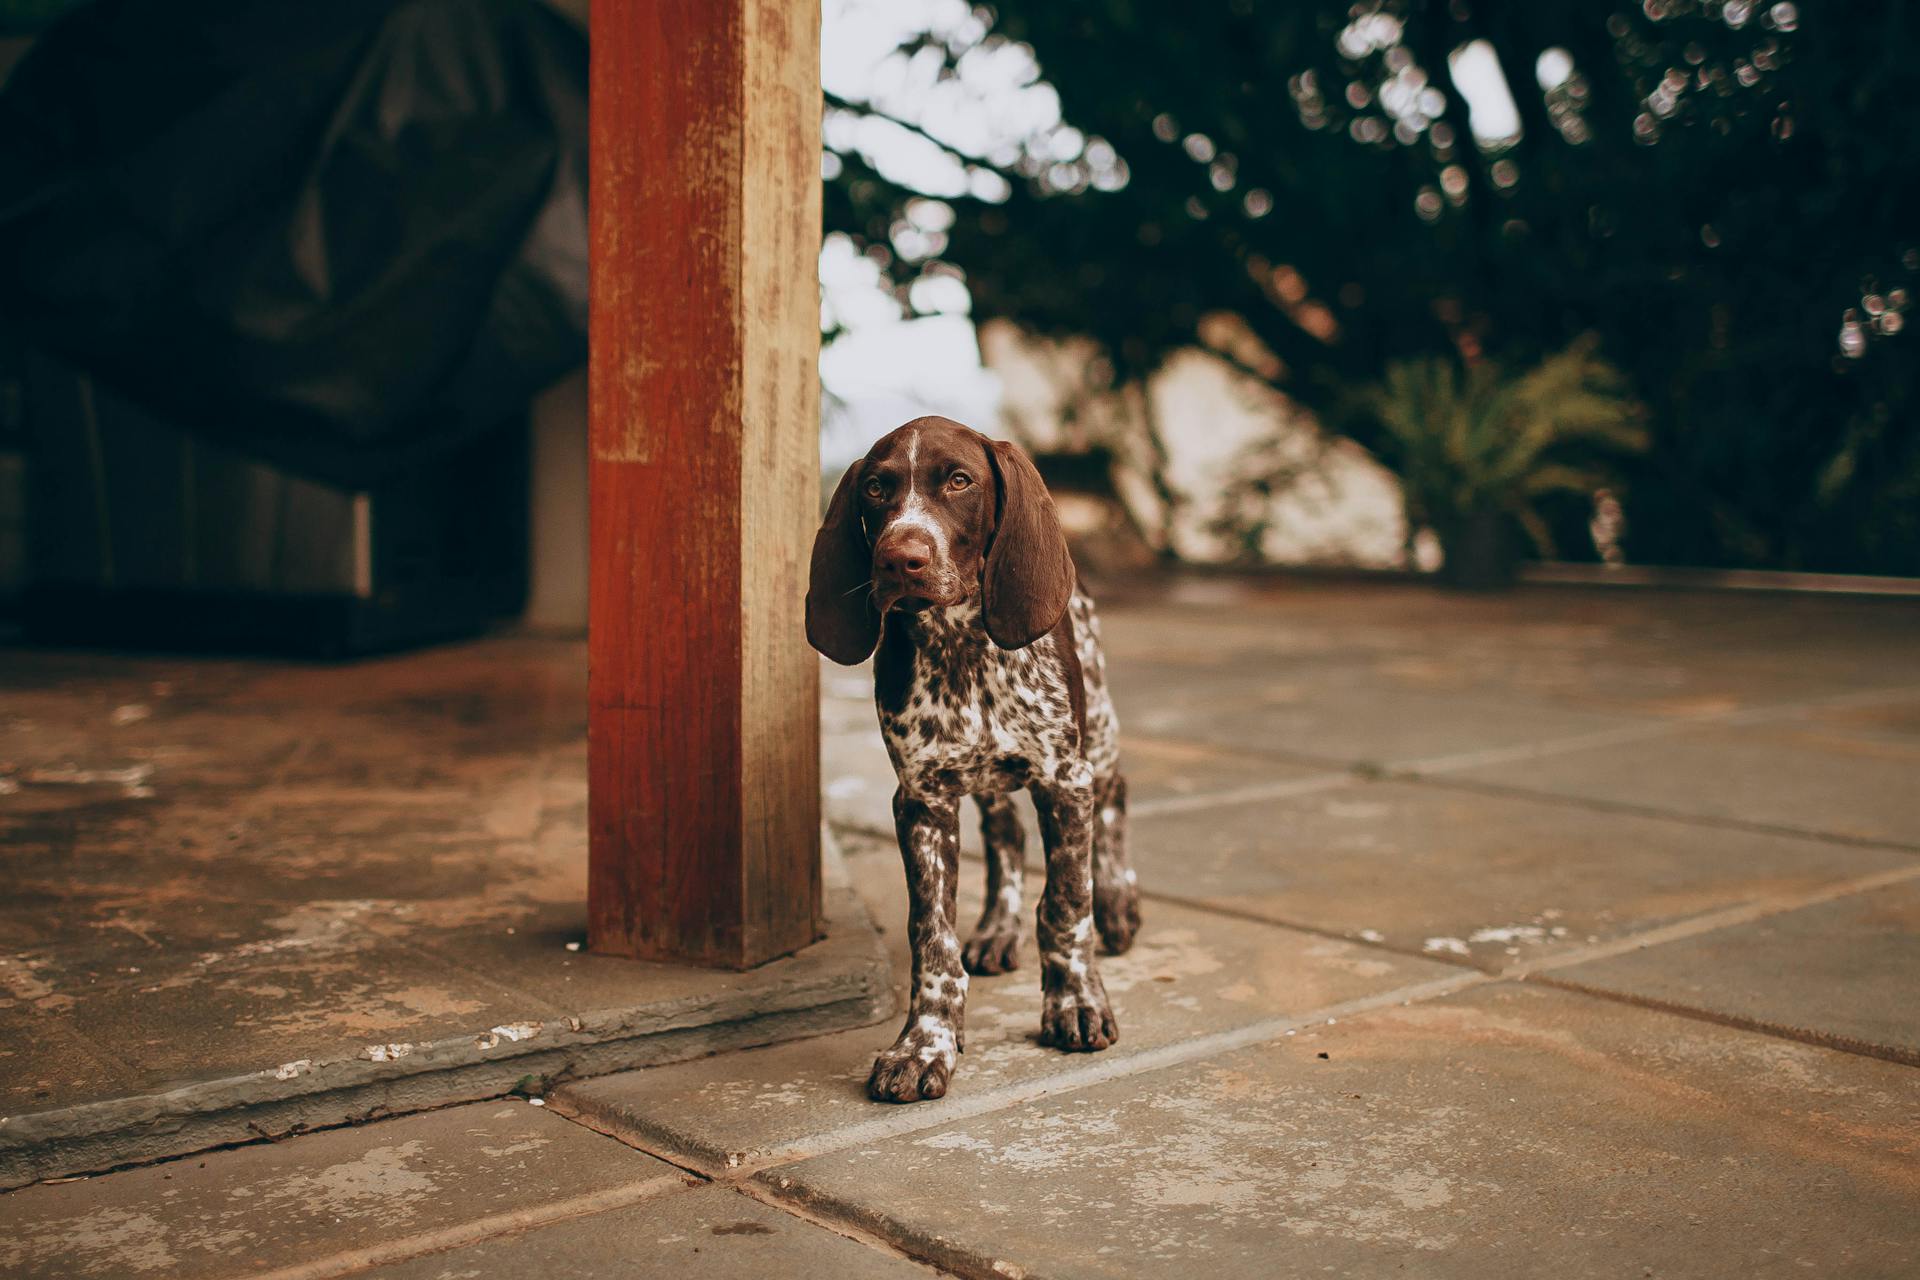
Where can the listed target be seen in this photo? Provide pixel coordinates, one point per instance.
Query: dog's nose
(905, 555)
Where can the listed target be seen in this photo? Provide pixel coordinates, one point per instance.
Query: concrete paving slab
(709, 1233)
(1191, 973)
(1385, 675)
(267, 896)
(532, 957)
(1678, 654)
(40, 1061)
(474, 1053)
(120, 946)
(1491, 879)
(159, 810)
(315, 1003)
(400, 1184)
(1845, 972)
(1798, 775)
(1507, 1131)
(1892, 719)
(1356, 722)
(1163, 771)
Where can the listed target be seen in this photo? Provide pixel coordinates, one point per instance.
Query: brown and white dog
(942, 548)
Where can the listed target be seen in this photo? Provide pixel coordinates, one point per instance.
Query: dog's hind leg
(995, 945)
(1116, 891)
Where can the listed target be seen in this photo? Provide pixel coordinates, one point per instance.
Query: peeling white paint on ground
(1159, 953)
(529, 1143)
(21, 977)
(955, 1142)
(381, 1182)
(324, 924)
(1508, 933)
(125, 1239)
(510, 1031)
(1348, 958)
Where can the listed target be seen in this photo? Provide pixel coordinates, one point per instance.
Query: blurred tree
(1718, 189)
(1478, 449)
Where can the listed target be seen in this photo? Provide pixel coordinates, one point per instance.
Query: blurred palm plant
(1476, 448)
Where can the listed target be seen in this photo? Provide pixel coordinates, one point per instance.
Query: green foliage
(1720, 191)
(24, 17)
(1473, 440)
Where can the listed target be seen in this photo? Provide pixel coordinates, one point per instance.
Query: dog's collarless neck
(946, 625)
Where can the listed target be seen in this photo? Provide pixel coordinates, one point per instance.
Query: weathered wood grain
(704, 418)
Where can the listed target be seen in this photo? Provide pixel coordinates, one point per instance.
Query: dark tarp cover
(344, 237)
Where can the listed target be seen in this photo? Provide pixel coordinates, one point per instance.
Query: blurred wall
(557, 589)
(1245, 464)
(13, 469)
(557, 518)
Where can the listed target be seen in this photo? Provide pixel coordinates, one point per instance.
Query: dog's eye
(959, 480)
(875, 489)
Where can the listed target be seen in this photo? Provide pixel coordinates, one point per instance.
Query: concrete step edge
(850, 985)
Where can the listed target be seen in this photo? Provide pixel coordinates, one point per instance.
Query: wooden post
(703, 723)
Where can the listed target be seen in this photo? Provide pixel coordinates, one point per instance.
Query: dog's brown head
(936, 514)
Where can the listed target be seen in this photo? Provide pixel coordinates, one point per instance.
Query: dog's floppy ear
(841, 620)
(1029, 576)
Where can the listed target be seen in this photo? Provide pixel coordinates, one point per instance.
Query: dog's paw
(993, 949)
(1116, 914)
(1078, 1019)
(916, 1068)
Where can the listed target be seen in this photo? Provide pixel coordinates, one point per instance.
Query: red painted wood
(702, 728)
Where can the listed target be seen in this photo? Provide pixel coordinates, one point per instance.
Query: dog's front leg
(921, 1061)
(1074, 1013)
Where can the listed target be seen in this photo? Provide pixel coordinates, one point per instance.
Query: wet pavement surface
(1562, 931)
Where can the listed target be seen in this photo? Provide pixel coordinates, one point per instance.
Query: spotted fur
(962, 716)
